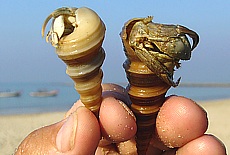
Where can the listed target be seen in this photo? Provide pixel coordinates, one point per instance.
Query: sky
(26, 57)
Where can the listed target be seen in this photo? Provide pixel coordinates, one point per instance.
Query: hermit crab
(78, 34)
(153, 51)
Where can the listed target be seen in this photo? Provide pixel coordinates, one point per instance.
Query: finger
(74, 108)
(40, 141)
(116, 91)
(116, 120)
(109, 90)
(114, 98)
(113, 110)
(206, 144)
(80, 134)
(179, 121)
(127, 147)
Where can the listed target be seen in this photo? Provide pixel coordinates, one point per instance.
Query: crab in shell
(77, 35)
(159, 46)
(64, 22)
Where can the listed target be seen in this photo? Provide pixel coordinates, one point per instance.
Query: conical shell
(148, 84)
(80, 48)
(86, 37)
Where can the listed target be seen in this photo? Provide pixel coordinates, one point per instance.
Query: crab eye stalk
(153, 52)
(77, 35)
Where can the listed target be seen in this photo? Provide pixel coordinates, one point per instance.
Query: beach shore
(14, 128)
(218, 115)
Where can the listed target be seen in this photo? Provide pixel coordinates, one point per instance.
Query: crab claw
(45, 23)
(168, 78)
(192, 34)
(58, 12)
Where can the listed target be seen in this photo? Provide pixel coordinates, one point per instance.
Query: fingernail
(127, 109)
(116, 91)
(66, 135)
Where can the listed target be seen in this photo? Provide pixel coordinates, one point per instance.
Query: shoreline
(11, 136)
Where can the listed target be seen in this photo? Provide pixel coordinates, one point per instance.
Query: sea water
(67, 96)
(28, 104)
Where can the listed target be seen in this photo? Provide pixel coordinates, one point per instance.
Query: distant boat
(10, 93)
(44, 93)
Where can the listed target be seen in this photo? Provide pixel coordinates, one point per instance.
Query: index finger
(180, 120)
(108, 90)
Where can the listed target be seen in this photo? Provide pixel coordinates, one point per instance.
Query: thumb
(78, 134)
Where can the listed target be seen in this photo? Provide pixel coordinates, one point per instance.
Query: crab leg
(153, 51)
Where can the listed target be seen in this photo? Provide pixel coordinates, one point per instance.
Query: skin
(180, 130)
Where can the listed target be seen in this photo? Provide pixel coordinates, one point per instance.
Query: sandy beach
(15, 127)
(218, 115)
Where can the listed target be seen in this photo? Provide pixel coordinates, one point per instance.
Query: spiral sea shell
(77, 34)
(153, 51)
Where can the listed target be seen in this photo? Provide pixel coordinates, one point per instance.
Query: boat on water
(44, 93)
(10, 93)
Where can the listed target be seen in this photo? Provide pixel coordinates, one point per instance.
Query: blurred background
(26, 57)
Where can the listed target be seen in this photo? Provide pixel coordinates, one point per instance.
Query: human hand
(180, 126)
